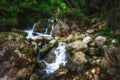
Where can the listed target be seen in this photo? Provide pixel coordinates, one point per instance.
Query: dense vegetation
(27, 12)
(23, 13)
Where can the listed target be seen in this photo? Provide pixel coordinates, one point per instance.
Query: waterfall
(60, 54)
(30, 32)
(60, 51)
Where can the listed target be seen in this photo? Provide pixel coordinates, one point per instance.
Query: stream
(60, 52)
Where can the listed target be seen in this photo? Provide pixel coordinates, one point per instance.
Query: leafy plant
(105, 31)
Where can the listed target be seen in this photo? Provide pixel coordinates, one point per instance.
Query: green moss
(25, 48)
(7, 36)
(3, 36)
(19, 31)
(44, 49)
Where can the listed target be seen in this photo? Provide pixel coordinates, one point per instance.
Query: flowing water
(60, 51)
(31, 34)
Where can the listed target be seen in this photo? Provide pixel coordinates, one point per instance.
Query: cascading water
(60, 51)
(30, 32)
(60, 54)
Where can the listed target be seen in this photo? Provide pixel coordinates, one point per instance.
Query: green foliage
(109, 41)
(106, 31)
(28, 11)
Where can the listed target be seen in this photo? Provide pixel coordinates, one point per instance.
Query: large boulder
(111, 63)
(17, 58)
(112, 55)
(61, 28)
(77, 61)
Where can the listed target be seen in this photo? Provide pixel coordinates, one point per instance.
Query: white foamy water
(60, 51)
(30, 33)
(61, 56)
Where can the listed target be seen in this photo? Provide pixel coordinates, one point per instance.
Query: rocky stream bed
(58, 52)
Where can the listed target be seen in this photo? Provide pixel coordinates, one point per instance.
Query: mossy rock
(17, 51)
(18, 31)
(7, 36)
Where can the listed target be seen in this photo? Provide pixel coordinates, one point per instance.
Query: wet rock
(53, 42)
(74, 27)
(92, 44)
(35, 38)
(73, 37)
(90, 31)
(34, 76)
(77, 61)
(96, 61)
(65, 26)
(77, 45)
(47, 47)
(93, 73)
(112, 55)
(61, 72)
(16, 58)
(41, 26)
(50, 58)
(61, 28)
(100, 41)
(42, 65)
(87, 39)
(58, 28)
(104, 63)
(44, 49)
(47, 37)
(35, 45)
(38, 37)
(93, 51)
(68, 38)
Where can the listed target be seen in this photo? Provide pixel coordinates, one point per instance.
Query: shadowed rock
(16, 57)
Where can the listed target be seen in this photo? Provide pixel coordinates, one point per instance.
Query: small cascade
(60, 51)
(61, 56)
(30, 32)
